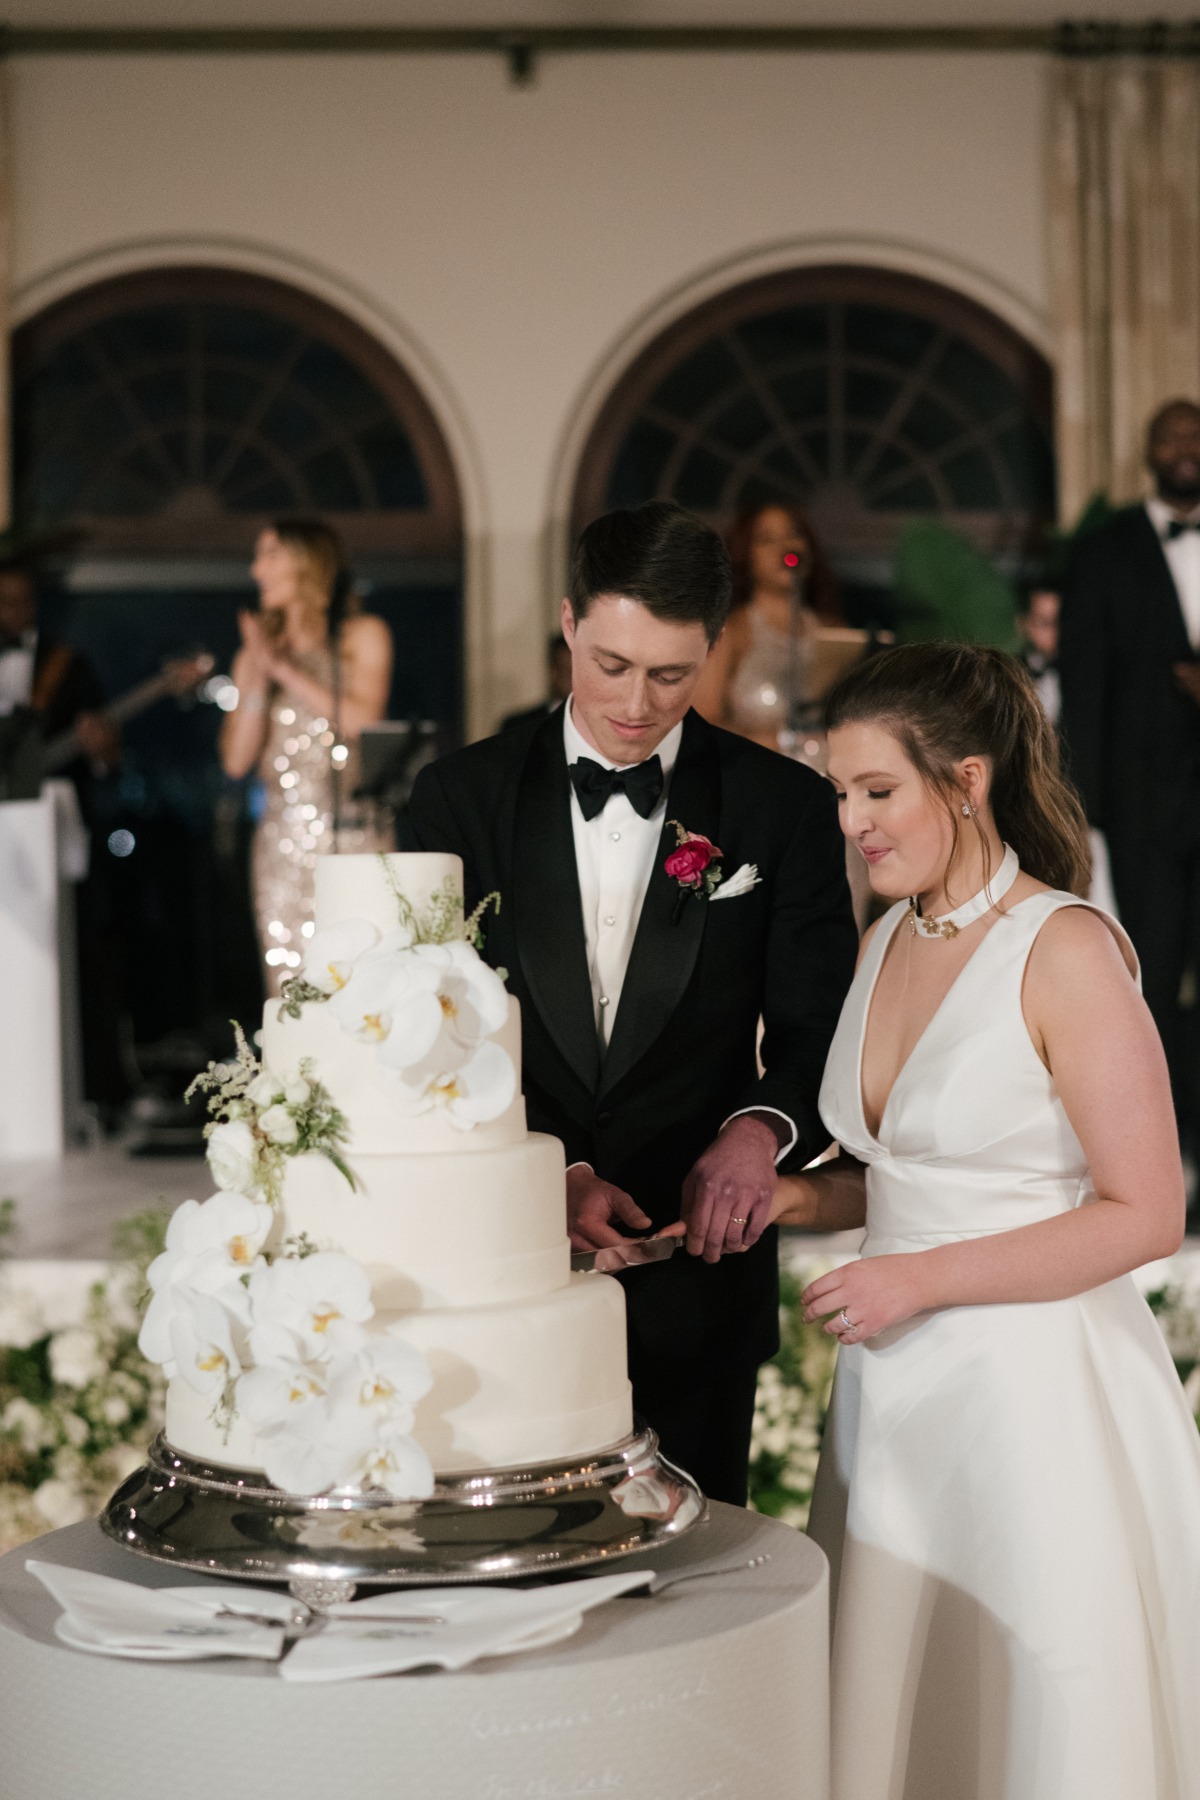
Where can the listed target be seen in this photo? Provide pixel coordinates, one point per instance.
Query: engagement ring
(734, 1220)
(847, 1322)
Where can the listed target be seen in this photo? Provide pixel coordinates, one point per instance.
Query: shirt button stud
(615, 836)
(610, 920)
(604, 999)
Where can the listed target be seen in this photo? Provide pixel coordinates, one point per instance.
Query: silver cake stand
(491, 1525)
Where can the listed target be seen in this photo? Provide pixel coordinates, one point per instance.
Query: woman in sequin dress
(783, 589)
(284, 723)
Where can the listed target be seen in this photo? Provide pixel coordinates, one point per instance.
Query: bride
(1009, 1488)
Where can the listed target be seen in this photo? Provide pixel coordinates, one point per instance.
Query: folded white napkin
(382, 1635)
(478, 1621)
(176, 1624)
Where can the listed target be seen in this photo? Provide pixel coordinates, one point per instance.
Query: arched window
(867, 396)
(174, 409)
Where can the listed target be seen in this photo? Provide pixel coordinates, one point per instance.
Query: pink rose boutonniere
(696, 865)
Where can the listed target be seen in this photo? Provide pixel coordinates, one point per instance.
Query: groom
(641, 982)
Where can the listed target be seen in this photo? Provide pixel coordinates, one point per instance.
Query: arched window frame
(434, 531)
(850, 527)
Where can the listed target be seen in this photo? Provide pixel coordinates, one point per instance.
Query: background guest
(783, 589)
(53, 678)
(558, 685)
(1037, 623)
(311, 673)
(1131, 717)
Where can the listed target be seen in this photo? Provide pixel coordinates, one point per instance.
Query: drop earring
(968, 810)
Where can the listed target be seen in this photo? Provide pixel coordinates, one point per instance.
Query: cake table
(714, 1690)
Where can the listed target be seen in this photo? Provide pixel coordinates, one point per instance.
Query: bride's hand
(874, 1293)
(793, 1202)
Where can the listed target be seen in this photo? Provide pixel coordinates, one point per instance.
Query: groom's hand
(594, 1207)
(727, 1196)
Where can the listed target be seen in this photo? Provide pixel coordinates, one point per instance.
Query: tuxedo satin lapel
(671, 926)
(1176, 624)
(547, 912)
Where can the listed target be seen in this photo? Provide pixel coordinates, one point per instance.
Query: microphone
(339, 599)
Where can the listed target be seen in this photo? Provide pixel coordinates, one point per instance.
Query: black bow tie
(1177, 527)
(642, 785)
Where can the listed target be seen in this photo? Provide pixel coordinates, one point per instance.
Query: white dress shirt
(1183, 560)
(615, 856)
(16, 674)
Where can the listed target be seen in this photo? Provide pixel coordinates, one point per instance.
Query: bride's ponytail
(945, 702)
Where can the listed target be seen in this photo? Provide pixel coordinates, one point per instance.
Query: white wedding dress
(1009, 1495)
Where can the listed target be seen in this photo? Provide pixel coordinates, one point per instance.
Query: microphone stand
(795, 704)
(336, 619)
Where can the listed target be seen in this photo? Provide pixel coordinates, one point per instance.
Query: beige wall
(515, 246)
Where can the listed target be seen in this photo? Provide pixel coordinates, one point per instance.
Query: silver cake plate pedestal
(485, 1525)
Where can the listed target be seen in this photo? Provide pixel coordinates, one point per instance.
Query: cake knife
(629, 1255)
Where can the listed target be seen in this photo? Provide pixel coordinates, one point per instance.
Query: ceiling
(99, 13)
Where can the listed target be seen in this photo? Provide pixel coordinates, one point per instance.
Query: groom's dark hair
(666, 558)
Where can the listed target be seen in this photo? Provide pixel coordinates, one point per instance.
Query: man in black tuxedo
(641, 994)
(1131, 719)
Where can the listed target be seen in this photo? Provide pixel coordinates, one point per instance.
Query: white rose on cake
(278, 1124)
(264, 1090)
(231, 1152)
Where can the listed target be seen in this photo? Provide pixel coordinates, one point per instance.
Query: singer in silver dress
(305, 693)
(784, 590)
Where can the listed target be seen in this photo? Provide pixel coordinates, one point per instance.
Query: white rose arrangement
(260, 1119)
(78, 1405)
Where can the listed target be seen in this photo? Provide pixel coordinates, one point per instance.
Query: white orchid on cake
(427, 1002)
(343, 1423)
(283, 1341)
(199, 1297)
(259, 1119)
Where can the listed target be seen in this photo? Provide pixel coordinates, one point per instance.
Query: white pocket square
(739, 883)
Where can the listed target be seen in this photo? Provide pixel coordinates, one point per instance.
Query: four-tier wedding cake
(380, 1292)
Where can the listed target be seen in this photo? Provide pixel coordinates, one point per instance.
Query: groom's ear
(568, 622)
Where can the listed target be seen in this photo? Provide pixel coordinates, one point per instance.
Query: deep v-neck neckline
(876, 1137)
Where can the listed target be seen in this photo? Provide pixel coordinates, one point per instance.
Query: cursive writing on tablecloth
(488, 1726)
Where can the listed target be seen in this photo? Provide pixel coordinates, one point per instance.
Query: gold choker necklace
(951, 923)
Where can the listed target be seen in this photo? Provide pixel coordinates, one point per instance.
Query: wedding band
(847, 1322)
(734, 1220)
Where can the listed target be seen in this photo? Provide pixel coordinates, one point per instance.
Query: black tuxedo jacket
(1133, 739)
(681, 1056)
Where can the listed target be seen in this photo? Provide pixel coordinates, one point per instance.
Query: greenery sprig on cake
(259, 1120)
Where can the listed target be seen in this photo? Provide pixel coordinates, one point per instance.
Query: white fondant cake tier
(364, 1091)
(463, 1233)
(473, 1227)
(530, 1382)
(357, 887)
